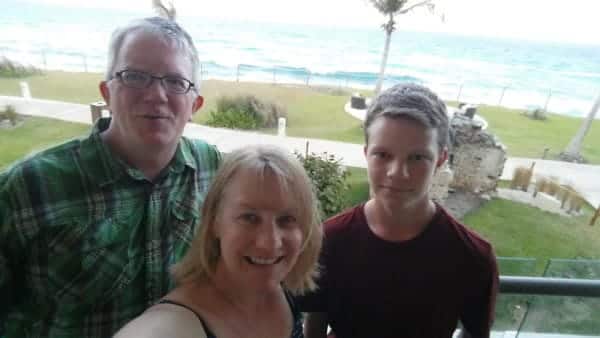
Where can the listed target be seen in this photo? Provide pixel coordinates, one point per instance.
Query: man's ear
(198, 102)
(104, 91)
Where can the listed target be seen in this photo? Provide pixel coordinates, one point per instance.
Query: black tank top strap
(209, 333)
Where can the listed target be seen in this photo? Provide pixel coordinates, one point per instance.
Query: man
(399, 265)
(89, 229)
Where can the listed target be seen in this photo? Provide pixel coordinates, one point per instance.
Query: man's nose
(156, 91)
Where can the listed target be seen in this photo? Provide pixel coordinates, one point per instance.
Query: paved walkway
(585, 178)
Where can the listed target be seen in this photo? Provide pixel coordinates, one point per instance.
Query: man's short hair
(414, 102)
(200, 261)
(161, 27)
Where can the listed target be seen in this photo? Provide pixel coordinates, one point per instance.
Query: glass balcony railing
(563, 302)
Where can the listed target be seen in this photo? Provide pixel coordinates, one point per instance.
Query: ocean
(481, 70)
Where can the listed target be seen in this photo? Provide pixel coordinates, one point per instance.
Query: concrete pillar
(25, 90)
(281, 126)
(96, 110)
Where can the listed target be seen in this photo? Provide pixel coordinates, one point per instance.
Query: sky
(574, 21)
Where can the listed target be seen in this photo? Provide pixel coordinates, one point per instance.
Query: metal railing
(550, 286)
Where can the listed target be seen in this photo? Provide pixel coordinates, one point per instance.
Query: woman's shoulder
(164, 320)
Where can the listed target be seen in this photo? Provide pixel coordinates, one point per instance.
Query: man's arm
(315, 325)
(7, 292)
(478, 314)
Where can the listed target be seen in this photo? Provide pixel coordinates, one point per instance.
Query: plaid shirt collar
(111, 168)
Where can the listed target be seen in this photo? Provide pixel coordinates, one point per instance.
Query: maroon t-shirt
(422, 287)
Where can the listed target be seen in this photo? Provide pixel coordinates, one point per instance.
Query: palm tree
(390, 8)
(572, 152)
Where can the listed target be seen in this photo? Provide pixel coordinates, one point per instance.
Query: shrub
(232, 119)
(13, 69)
(9, 113)
(329, 180)
(537, 114)
(264, 114)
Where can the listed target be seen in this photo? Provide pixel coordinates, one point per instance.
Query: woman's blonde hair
(200, 261)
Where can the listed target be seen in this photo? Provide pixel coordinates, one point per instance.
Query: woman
(259, 243)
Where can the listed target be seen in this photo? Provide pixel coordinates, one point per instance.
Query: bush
(537, 114)
(329, 179)
(13, 69)
(248, 107)
(232, 119)
(9, 113)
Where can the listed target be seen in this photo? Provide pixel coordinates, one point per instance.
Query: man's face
(402, 157)
(149, 118)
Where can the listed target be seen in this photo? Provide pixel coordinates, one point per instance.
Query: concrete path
(585, 178)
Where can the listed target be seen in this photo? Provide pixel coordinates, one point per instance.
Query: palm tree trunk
(574, 147)
(388, 38)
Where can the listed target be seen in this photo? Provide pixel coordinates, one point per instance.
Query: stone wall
(477, 157)
(475, 162)
(440, 184)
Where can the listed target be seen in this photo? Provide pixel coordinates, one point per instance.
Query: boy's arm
(315, 325)
(479, 311)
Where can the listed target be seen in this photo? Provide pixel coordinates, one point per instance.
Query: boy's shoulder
(469, 240)
(345, 221)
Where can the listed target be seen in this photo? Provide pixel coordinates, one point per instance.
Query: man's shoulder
(57, 157)
(203, 153)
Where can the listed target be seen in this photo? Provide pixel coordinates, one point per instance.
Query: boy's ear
(442, 158)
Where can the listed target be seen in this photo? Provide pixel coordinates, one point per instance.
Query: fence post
(85, 66)
(459, 92)
(595, 217)
(274, 76)
(307, 78)
(548, 100)
(44, 60)
(306, 150)
(237, 74)
(502, 95)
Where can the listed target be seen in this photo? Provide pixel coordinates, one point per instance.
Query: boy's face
(402, 157)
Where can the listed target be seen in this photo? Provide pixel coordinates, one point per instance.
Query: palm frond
(164, 11)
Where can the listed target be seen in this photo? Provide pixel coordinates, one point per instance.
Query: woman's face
(258, 230)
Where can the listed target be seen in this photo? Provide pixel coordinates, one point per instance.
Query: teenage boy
(399, 265)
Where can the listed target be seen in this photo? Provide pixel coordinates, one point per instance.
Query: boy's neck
(398, 224)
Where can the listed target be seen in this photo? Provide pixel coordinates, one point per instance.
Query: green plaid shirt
(86, 241)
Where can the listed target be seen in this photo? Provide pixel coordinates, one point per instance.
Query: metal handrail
(550, 286)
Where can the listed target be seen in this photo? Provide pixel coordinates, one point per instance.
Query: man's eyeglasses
(140, 80)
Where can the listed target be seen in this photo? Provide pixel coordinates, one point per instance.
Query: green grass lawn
(35, 134)
(517, 230)
(318, 113)
(526, 137)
